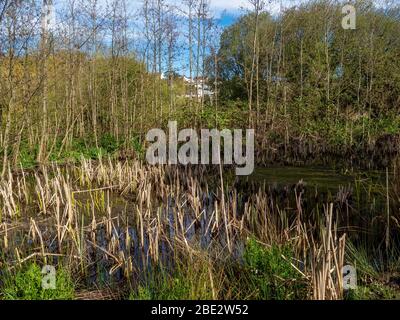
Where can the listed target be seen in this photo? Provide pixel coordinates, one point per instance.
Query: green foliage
(190, 280)
(224, 118)
(74, 151)
(143, 293)
(26, 284)
(27, 157)
(109, 143)
(329, 99)
(163, 286)
(374, 291)
(138, 146)
(271, 276)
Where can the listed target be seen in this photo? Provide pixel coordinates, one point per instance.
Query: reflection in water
(121, 232)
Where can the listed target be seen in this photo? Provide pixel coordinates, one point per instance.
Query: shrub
(26, 284)
(271, 274)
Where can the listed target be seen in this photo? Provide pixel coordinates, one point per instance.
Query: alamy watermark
(349, 274)
(49, 277)
(349, 20)
(188, 153)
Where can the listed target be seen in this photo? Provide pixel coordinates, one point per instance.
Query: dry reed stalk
(259, 216)
(5, 236)
(58, 224)
(213, 290)
(141, 225)
(36, 229)
(20, 261)
(387, 235)
(325, 284)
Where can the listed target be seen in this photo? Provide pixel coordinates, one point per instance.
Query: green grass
(189, 281)
(271, 274)
(374, 291)
(74, 151)
(373, 272)
(265, 274)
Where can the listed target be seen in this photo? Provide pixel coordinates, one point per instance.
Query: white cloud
(235, 6)
(232, 7)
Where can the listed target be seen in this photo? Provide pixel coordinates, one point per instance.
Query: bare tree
(258, 6)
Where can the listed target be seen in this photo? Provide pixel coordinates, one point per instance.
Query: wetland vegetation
(126, 230)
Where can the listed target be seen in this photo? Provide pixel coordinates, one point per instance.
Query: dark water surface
(322, 178)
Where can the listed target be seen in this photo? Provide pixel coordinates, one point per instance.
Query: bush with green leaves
(109, 143)
(26, 284)
(270, 273)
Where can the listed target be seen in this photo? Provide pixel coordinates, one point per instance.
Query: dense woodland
(92, 83)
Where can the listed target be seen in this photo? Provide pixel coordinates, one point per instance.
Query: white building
(198, 88)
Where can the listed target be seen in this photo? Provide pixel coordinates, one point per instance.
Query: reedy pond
(126, 230)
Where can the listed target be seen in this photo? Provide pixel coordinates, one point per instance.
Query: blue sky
(218, 7)
(227, 18)
(225, 12)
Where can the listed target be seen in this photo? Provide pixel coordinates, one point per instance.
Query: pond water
(355, 205)
(322, 178)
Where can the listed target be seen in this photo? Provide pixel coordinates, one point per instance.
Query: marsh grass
(271, 274)
(179, 232)
(191, 283)
(194, 277)
(374, 291)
